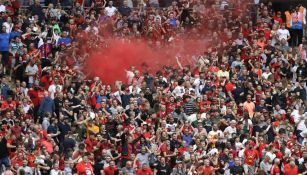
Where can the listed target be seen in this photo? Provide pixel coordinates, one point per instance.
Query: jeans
(4, 162)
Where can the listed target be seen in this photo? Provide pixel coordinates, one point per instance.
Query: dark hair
(81, 146)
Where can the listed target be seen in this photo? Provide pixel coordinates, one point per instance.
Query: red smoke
(110, 64)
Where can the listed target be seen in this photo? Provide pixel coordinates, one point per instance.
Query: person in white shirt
(8, 25)
(231, 129)
(266, 74)
(55, 170)
(55, 87)
(134, 88)
(270, 153)
(26, 168)
(265, 165)
(283, 33)
(179, 90)
(110, 10)
(31, 71)
(2, 7)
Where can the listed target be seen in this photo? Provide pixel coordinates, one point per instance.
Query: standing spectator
(36, 9)
(249, 106)
(110, 9)
(31, 71)
(251, 157)
(237, 168)
(4, 47)
(275, 170)
(46, 106)
(298, 19)
(84, 167)
(125, 10)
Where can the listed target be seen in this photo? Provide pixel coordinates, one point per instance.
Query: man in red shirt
(8, 105)
(251, 157)
(144, 171)
(85, 167)
(206, 169)
(290, 168)
(275, 170)
(111, 169)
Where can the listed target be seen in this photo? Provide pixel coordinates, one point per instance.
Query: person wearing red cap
(251, 157)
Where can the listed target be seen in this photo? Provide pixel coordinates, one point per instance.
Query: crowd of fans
(240, 109)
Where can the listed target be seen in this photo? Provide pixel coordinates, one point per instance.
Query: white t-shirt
(110, 10)
(171, 127)
(2, 8)
(135, 90)
(53, 89)
(230, 130)
(31, 70)
(283, 34)
(54, 172)
(266, 75)
(271, 155)
(179, 91)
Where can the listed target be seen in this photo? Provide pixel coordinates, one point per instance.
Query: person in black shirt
(45, 165)
(58, 103)
(238, 168)
(303, 167)
(174, 142)
(162, 168)
(67, 111)
(98, 166)
(4, 153)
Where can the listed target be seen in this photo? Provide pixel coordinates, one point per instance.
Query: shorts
(249, 169)
(5, 58)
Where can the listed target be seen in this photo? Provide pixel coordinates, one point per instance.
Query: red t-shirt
(46, 81)
(208, 170)
(84, 168)
(109, 170)
(274, 170)
(144, 172)
(8, 105)
(250, 156)
(289, 170)
(229, 87)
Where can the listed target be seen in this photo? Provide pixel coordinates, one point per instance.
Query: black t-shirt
(3, 148)
(97, 168)
(111, 128)
(68, 143)
(301, 91)
(237, 170)
(74, 102)
(47, 172)
(63, 128)
(163, 170)
(58, 103)
(65, 111)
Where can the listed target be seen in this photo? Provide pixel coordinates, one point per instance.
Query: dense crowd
(239, 108)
